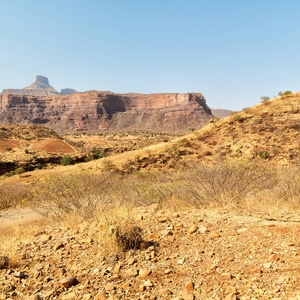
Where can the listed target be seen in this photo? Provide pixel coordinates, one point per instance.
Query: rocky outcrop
(99, 111)
(40, 87)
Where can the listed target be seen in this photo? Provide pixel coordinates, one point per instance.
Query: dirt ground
(197, 254)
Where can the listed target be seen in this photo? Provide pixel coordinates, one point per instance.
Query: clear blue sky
(231, 51)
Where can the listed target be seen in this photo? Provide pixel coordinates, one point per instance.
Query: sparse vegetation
(265, 99)
(20, 171)
(66, 161)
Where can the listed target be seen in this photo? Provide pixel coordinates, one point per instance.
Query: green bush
(66, 161)
(239, 119)
(20, 171)
(264, 154)
(26, 151)
(8, 149)
(97, 153)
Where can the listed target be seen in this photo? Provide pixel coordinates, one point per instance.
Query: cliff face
(96, 111)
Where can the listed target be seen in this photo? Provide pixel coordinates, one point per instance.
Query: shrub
(225, 182)
(39, 166)
(66, 161)
(97, 153)
(165, 140)
(264, 154)
(20, 171)
(264, 99)
(88, 158)
(8, 149)
(3, 128)
(26, 151)
(239, 119)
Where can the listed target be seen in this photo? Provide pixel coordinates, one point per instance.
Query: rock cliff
(40, 87)
(98, 111)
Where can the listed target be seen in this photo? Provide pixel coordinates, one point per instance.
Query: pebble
(189, 286)
(67, 282)
(193, 229)
(274, 257)
(144, 273)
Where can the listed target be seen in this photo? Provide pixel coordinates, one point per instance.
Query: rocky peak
(40, 87)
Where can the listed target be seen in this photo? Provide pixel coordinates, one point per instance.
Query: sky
(231, 51)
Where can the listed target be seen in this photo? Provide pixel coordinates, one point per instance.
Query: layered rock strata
(99, 111)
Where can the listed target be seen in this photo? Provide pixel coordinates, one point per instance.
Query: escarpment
(98, 111)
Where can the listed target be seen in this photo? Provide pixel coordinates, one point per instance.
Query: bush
(97, 153)
(264, 154)
(66, 161)
(8, 149)
(20, 171)
(225, 183)
(26, 151)
(239, 119)
(264, 99)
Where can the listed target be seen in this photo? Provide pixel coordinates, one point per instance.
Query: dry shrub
(225, 183)
(287, 191)
(10, 197)
(117, 228)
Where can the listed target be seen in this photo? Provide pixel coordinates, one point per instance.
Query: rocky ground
(197, 254)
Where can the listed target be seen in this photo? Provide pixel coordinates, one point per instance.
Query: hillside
(155, 223)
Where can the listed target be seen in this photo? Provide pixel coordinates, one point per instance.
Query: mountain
(221, 113)
(40, 87)
(98, 111)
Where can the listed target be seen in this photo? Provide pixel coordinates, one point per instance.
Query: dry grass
(13, 196)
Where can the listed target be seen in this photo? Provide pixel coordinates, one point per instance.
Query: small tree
(20, 171)
(265, 99)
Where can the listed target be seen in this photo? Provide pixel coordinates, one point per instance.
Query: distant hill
(221, 113)
(40, 87)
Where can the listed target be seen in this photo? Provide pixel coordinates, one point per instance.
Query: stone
(35, 297)
(143, 273)
(189, 286)
(153, 237)
(193, 229)
(187, 295)
(231, 297)
(148, 283)
(132, 272)
(214, 235)
(2, 296)
(241, 230)
(203, 229)
(58, 246)
(67, 282)
(18, 274)
(273, 258)
(164, 292)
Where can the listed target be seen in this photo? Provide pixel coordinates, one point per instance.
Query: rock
(19, 274)
(67, 282)
(187, 295)
(168, 271)
(110, 287)
(153, 237)
(231, 297)
(164, 292)
(34, 297)
(131, 261)
(241, 230)
(104, 110)
(132, 272)
(214, 235)
(2, 296)
(58, 246)
(274, 257)
(226, 275)
(203, 229)
(193, 229)
(100, 296)
(144, 273)
(189, 286)
(126, 285)
(148, 283)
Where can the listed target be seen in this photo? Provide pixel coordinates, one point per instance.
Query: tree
(20, 171)
(265, 99)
